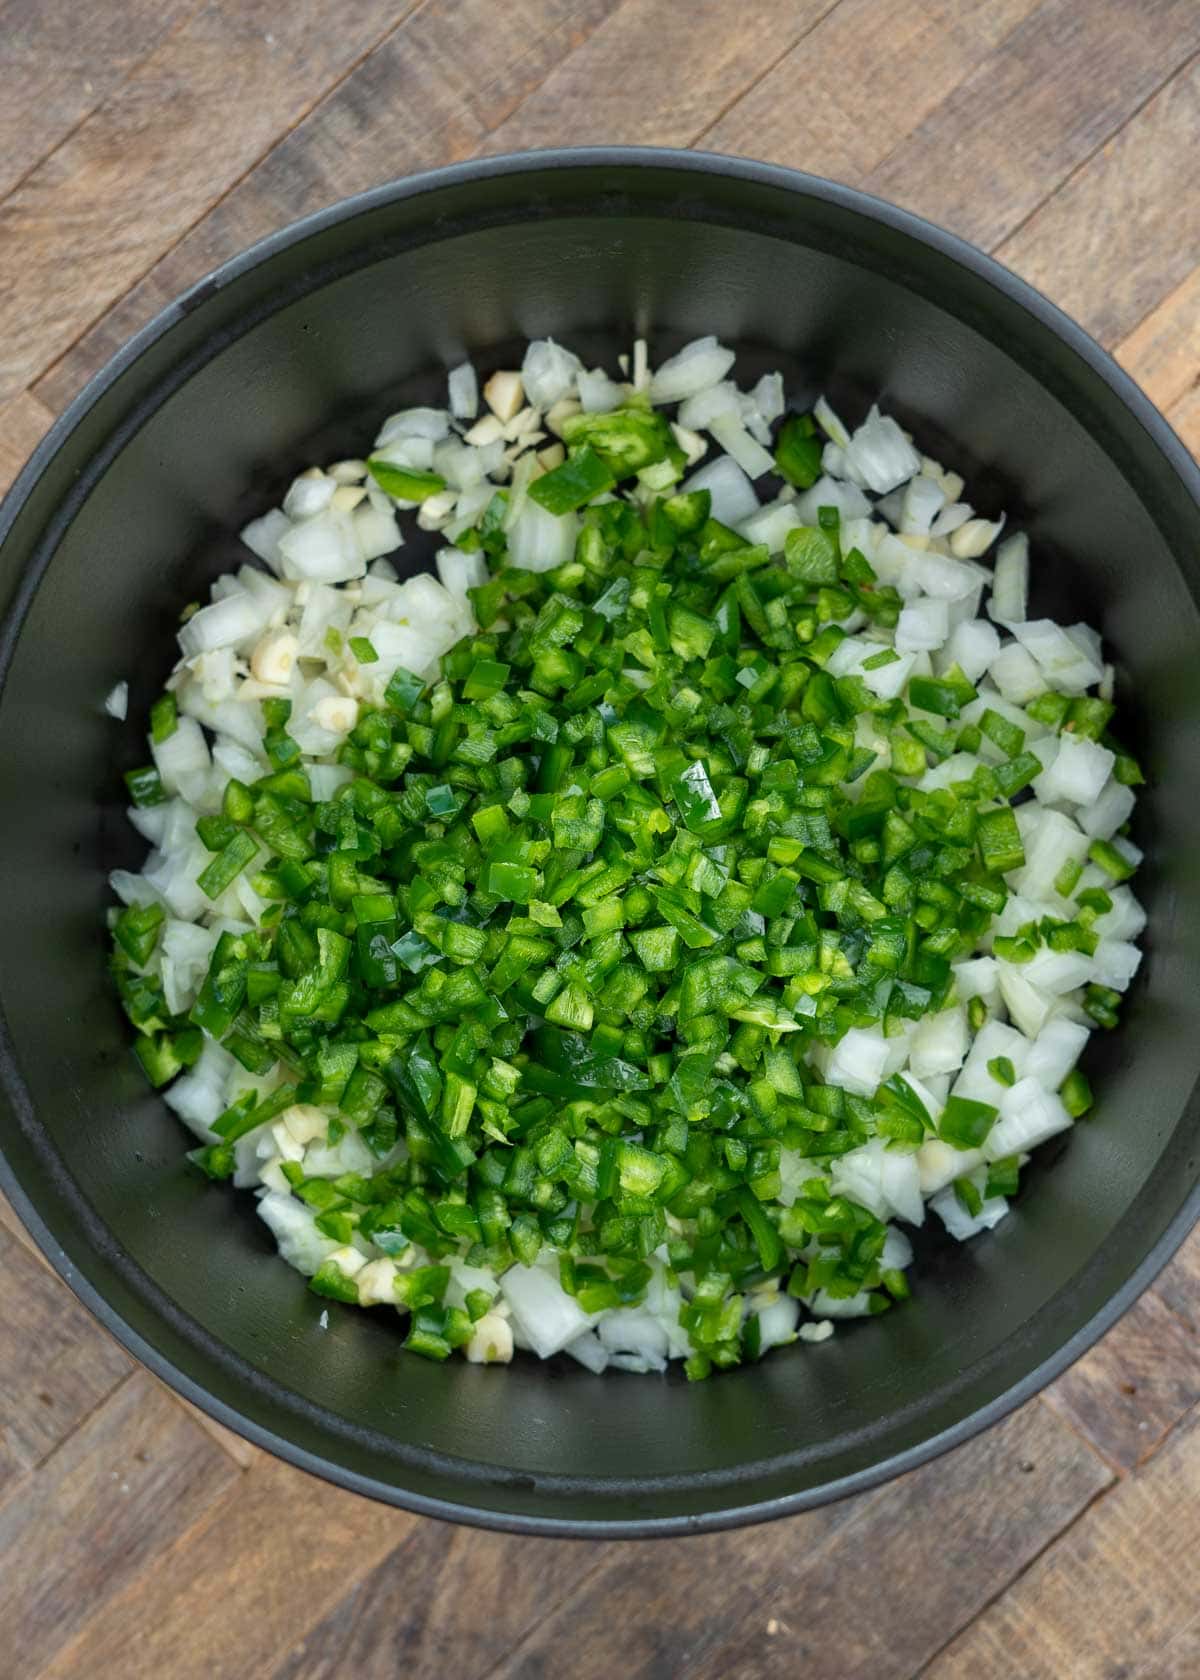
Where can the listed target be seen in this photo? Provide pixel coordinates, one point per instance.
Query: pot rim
(697, 163)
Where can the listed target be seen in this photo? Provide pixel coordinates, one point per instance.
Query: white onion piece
(430, 423)
(698, 412)
(404, 451)
(546, 1316)
(598, 394)
(733, 498)
(1010, 581)
(698, 365)
(948, 579)
(940, 1043)
(539, 541)
(134, 889)
(857, 1061)
(463, 390)
(939, 1164)
(1067, 665)
(1028, 1006)
(1056, 972)
(324, 549)
(226, 623)
(1078, 773)
(771, 524)
(962, 1224)
(1017, 674)
(777, 1322)
(470, 505)
(953, 516)
(920, 505)
(1126, 919)
(1055, 1051)
(848, 499)
(548, 373)
(830, 424)
(736, 441)
(978, 977)
(376, 532)
(768, 396)
(1108, 812)
(184, 752)
(1029, 1116)
(972, 647)
(632, 1331)
(590, 1351)
(309, 494)
(294, 1227)
(463, 466)
(261, 537)
(460, 571)
(838, 1306)
(1115, 963)
(885, 1180)
(879, 455)
(923, 625)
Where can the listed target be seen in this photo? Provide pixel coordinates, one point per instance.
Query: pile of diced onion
(324, 562)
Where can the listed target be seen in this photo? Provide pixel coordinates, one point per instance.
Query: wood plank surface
(59, 61)
(1058, 87)
(1124, 231)
(101, 1513)
(89, 220)
(408, 1614)
(1130, 1391)
(141, 145)
(1163, 350)
(233, 1591)
(430, 95)
(616, 81)
(1119, 1585)
(58, 1365)
(869, 74)
(706, 1607)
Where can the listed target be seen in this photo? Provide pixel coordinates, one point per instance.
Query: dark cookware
(292, 353)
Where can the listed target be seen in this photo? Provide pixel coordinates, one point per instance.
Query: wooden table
(143, 141)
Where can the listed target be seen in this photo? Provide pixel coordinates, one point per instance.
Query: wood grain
(88, 222)
(851, 1587)
(1057, 88)
(409, 1612)
(238, 1589)
(59, 61)
(1122, 233)
(1114, 1592)
(142, 144)
(109, 1503)
(236, 1447)
(865, 77)
(617, 81)
(451, 72)
(56, 1363)
(1128, 1392)
(1163, 351)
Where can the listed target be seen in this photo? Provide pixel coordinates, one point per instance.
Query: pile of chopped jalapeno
(717, 892)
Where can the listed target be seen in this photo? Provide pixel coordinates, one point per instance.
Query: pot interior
(296, 359)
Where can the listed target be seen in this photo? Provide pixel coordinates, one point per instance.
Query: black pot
(292, 353)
